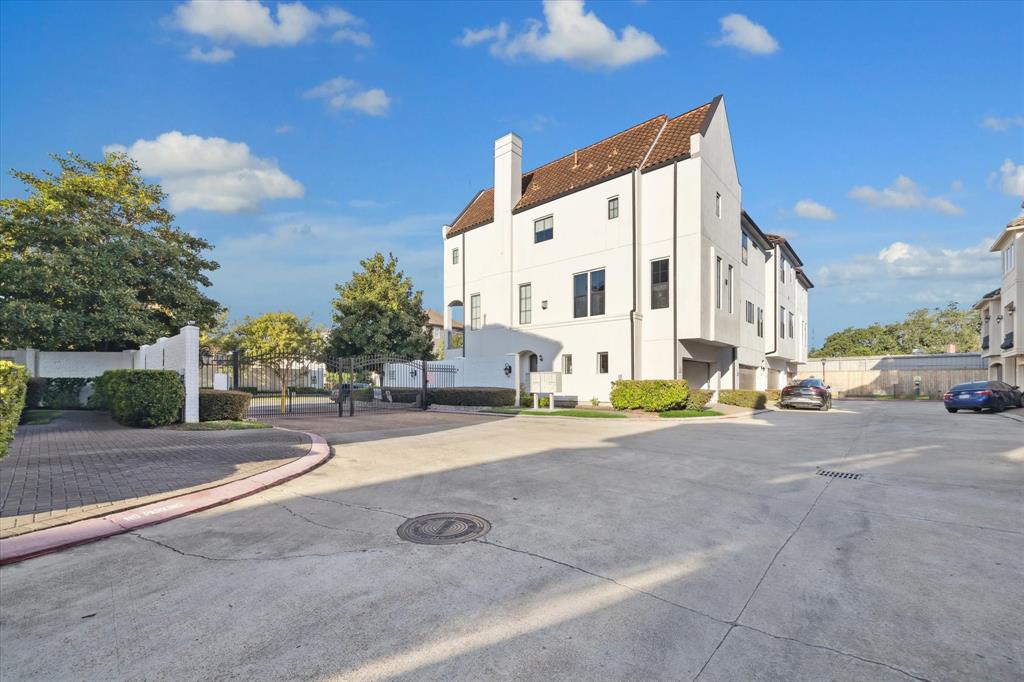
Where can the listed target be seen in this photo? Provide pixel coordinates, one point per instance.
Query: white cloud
(210, 173)
(812, 210)
(342, 93)
(903, 261)
(568, 34)
(956, 185)
(250, 22)
(742, 33)
(1012, 178)
(903, 193)
(1001, 124)
(260, 266)
(215, 55)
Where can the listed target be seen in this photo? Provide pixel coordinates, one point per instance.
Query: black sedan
(982, 395)
(807, 393)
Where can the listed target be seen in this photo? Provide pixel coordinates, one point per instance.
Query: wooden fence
(900, 382)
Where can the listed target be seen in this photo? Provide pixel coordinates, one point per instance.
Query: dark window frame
(660, 277)
(588, 295)
(602, 362)
(475, 314)
(613, 207)
(567, 363)
(526, 313)
(545, 234)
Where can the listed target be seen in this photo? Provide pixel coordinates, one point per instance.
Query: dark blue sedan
(982, 395)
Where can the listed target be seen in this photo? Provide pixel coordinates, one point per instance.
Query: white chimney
(508, 175)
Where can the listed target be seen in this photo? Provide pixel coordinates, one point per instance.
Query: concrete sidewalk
(84, 465)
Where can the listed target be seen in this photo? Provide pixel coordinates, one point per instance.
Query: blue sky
(886, 140)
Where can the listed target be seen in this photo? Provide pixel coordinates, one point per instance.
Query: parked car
(982, 395)
(807, 393)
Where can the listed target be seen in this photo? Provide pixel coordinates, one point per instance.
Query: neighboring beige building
(1002, 325)
(435, 323)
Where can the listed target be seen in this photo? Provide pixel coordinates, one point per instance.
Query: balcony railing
(1007, 341)
(984, 343)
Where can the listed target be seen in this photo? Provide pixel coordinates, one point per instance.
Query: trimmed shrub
(743, 398)
(63, 393)
(35, 389)
(13, 385)
(698, 398)
(474, 396)
(143, 397)
(650, 395)
(774, 395)
(218, 405)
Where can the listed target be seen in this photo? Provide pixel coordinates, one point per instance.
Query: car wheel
(951, 410)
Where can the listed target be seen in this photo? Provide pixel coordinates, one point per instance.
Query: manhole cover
(446, 528)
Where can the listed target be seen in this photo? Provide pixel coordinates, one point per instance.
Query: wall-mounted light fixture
(999, 318)
(544, 305)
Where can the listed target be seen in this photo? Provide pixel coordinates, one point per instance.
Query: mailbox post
(545, 382)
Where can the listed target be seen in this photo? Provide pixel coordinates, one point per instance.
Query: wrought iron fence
(324, 385)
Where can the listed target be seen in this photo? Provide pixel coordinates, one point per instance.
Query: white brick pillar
(190, 337)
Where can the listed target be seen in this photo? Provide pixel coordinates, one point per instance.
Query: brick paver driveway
(83, 464)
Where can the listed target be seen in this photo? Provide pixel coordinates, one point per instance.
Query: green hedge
(35, 389)
(218, 405)
(650, 395)
(13, 386)
(142, 397)
(698, 398)
(473, 396)
(743, 398)
(63, 393)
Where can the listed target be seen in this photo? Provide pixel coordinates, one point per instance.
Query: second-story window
(659, 283)
(728, 289)
(782, 270)
(474, 312)
(744, 246)
(588, 293)
(790, 326)
(543, 229)
(613, 208)
(782, 322)
(718, 205)
(760, 322)
(1008, 259)
(455, 256)
(749, 310)
(525, 304)
(718, 283)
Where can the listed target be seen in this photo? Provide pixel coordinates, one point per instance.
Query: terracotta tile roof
(600, 161)
(674, 142)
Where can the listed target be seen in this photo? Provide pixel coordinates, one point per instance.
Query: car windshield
(811, 382)
(973, 386)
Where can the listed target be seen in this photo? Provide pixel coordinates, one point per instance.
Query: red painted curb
(21, 547)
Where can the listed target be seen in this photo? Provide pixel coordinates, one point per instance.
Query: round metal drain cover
(445, 528)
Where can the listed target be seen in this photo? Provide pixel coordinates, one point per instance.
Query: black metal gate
(325, 385)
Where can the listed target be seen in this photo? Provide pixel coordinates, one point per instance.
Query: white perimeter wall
(179, 353)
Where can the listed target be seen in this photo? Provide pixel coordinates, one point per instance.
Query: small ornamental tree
(379, 312)
(281, 342)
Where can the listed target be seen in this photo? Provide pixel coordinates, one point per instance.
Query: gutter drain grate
(838, 474)
(445, 528)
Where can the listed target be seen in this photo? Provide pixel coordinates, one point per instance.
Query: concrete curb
(21, 547)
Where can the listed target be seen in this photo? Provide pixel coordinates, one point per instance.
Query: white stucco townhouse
(1002, 325)
(629, 258)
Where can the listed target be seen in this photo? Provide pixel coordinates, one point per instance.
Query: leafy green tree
(378, 311)
(89, 260)
(283, 343)
(925, 330)
(219, 337)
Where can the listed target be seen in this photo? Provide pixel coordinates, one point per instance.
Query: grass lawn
(589, 414)
(690, 413)
(35, 417)
(221, 425)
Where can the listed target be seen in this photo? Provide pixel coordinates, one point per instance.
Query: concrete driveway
(620, 549)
